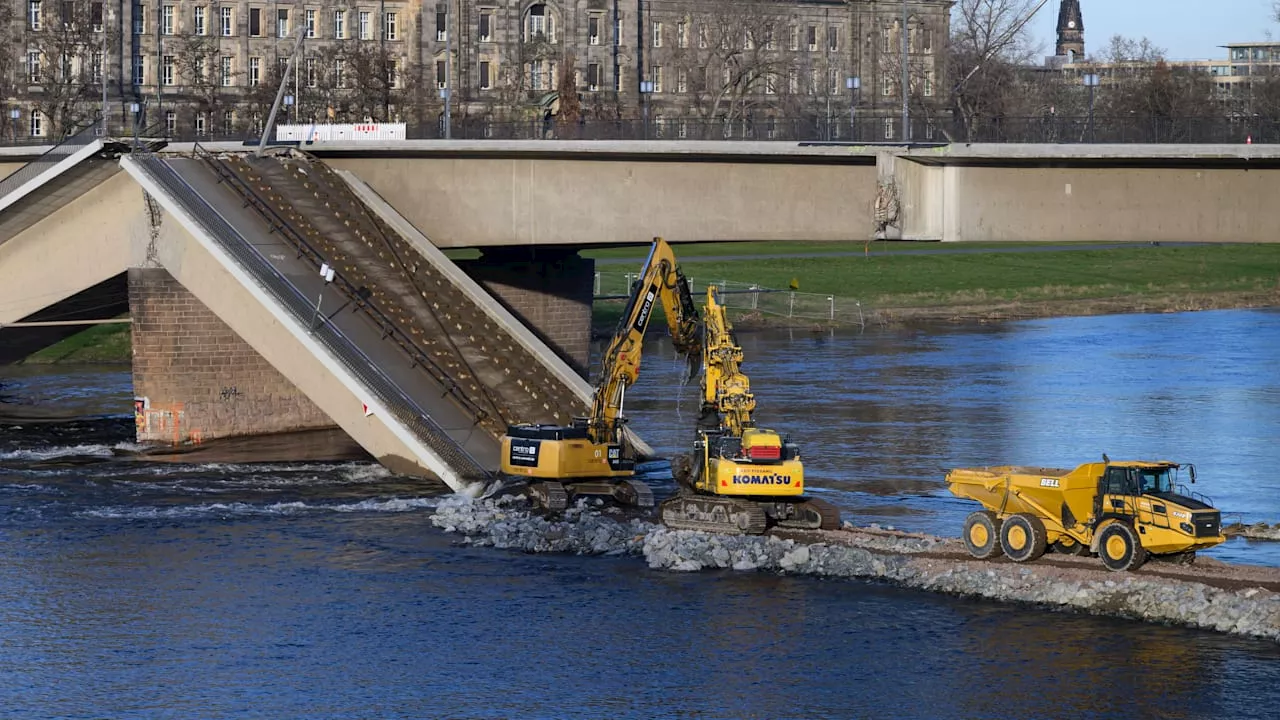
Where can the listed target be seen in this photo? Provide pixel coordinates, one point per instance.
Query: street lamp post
(446, 93)
(102, 68)
(1091, 82)
(853, 84)
(906, 75)
(646, 89)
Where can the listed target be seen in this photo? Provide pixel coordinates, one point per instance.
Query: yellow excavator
(591, 456)
(740, 479)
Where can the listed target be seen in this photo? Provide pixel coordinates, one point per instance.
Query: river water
(320, 590)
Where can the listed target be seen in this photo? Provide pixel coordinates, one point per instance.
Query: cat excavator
(591, 456)
(739, 479)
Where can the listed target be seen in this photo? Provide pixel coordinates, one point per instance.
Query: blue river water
(320, 590)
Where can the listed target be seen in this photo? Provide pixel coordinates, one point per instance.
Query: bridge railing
(51, 157)
(750, 298)
(404, 408)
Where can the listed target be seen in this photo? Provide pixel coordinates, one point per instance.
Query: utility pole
(906, 76)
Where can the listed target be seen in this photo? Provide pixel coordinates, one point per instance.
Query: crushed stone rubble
(1256, 531)
(588, 529)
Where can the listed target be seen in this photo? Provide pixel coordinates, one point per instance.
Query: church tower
(1070, 32)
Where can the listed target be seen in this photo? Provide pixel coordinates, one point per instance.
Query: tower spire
(1070, 31)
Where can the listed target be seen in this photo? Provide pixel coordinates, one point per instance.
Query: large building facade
(209, 67)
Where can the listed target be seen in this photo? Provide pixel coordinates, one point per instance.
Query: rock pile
(1256, 531)
(586, 529)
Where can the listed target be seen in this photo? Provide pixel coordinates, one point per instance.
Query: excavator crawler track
(727, 516)
(812, 514)
(549, 495)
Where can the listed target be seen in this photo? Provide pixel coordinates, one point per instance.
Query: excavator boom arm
(661, 280)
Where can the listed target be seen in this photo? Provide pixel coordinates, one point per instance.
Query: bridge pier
(549, 289)
(195, 379)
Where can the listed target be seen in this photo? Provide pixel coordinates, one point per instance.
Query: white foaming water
(243, 509)
(48, 453)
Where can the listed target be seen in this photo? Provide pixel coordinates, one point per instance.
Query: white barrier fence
(749, 297)
(363, 132)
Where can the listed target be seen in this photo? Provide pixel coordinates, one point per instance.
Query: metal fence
(750, 298)
(868, 130)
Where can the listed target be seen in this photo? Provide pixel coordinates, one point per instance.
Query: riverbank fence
(748, 299)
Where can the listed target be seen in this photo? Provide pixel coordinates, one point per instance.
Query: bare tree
(199, 66)
(567, 89)
(64, 70)
(990, 40)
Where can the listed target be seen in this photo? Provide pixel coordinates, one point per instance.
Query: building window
(770, 84)
(769, 42)
(340, 73)
(282, 23)
(95, 67)
(255, 71)
(486, 75)
(199, 21)
(889, 134)
(928, 84)
(793, 82)
(33, 15)
(255, 22)
(202, 124)
(311, 24)
(593, 77)
(927, 40)
(486, 26)
(139, 70)
(227, 71)
(393, 73)
(340, 24)
(748, 40)
(657, 78)
(535, 74)
(365, 23)
(312, 79)
(833, 38)
(793, 34)
(139, 19)
(166, 20)
(170, 122)
(442, 26)
(593, 29)
(226, 21)
(197, 69)
(228, 121)
(682, 35)
(682, 81)
(703, 40)
(33, 67)
(37, 124)
(391, 25)
(656, 32)
(886, 85)
(442, 74)
(166, 70)
(95, 16)
(811, 36)
(539, 25)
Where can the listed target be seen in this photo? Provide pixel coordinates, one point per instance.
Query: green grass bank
(910, 282)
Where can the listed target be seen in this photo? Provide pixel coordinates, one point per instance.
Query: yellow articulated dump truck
(1123, 512)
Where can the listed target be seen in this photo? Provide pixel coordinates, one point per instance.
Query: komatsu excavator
(740, 479)
(591, 456)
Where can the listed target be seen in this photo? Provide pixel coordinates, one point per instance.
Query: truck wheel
(1023, 537)
(1119, 547)
(982, 535)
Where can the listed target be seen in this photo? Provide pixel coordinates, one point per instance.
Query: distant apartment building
(204, 67)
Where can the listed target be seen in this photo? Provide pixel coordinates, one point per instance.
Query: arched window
(540, 24)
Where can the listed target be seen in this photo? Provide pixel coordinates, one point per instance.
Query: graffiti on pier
(230, 393)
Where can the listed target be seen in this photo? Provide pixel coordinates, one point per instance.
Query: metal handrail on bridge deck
(48, 159)
(343, 349)
(352, 293)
